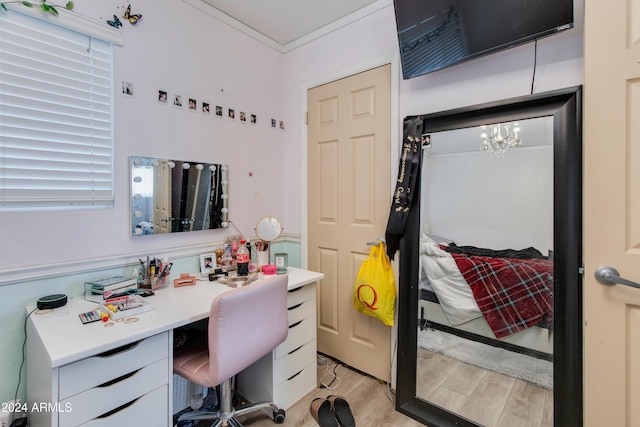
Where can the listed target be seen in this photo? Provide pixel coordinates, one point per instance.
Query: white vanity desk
(94, 375)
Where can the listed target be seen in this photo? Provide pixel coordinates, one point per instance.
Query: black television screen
(435, 34)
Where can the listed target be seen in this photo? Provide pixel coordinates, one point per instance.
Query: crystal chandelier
(500, 138)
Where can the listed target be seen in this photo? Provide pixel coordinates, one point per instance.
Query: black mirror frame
(566, 108)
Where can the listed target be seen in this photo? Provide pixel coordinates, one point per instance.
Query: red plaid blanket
(512, 294)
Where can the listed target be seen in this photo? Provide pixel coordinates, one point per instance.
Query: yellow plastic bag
(374, 292)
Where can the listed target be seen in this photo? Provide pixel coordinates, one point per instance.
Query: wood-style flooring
(486, 397)
(489, 398)
(368, 399)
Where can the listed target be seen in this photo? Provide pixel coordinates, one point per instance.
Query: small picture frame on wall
(162, 96)
(273, 123)
(127, 88)
(219, 111)
(205, 108)
(207, 263)
(232, 114)
(254, 119)
(243, 117)
(193, 104)
(177, 101)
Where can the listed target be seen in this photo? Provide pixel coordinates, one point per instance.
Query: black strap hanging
(409, 168)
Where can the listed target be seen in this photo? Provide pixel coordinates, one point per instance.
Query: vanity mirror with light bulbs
(174, 196)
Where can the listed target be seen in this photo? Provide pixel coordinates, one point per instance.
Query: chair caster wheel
(278, 416)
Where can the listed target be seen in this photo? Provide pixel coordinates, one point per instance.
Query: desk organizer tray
(101, 290)
(126, 306)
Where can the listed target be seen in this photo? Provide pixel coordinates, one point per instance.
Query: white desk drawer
(298, 295)
(93, 371)
(99, 400)
(299, 334)
(292, 363)
(144, 411)
(294, 389)
(301, 311)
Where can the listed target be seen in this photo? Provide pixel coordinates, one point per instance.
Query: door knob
(608, 275)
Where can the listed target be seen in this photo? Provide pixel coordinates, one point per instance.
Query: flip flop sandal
(321, 412)
(341, 410)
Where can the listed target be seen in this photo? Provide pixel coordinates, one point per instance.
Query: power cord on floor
(329, 367)
(330, 370)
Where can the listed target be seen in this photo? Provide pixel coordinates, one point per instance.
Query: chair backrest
(245, 324)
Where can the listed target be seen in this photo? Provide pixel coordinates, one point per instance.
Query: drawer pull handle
(121, 349)
(117, 380)
(118, 409)
(295, 324)
(294, 375)
(295, 349)
(294, 307)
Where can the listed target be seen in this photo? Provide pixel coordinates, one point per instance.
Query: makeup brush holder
(263, 257)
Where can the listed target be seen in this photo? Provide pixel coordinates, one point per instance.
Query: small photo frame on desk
(207, 263)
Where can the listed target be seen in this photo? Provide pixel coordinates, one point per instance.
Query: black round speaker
(51, 301)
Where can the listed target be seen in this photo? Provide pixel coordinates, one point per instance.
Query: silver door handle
(608, 275)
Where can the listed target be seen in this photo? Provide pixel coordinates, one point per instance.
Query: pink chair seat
(193, 365)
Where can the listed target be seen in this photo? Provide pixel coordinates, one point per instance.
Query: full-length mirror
(489, 281)
(484, 314)
(169, 196)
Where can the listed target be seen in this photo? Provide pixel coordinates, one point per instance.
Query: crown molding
(344, 21)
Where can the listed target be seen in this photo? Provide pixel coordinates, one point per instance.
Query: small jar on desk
(281, 261)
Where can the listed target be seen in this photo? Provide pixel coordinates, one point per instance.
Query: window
(56, 115)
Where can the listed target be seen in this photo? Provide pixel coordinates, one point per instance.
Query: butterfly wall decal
(133, 19)
(115, 23)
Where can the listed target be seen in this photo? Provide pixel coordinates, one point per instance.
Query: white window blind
(56, 116)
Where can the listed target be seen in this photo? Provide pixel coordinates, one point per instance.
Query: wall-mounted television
(436, 34)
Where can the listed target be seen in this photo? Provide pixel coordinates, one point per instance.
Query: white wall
(177, 48)
(475, 199)
(372, 41)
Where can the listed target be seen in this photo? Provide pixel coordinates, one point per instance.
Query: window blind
(56, 116)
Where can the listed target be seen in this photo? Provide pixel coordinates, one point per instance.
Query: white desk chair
(245, 324)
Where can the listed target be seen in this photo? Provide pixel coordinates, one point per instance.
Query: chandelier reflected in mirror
(499, 138)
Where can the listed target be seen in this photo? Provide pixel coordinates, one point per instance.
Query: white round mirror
(268, 229)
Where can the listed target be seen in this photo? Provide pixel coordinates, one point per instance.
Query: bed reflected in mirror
(172, 196)
(485, 304)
